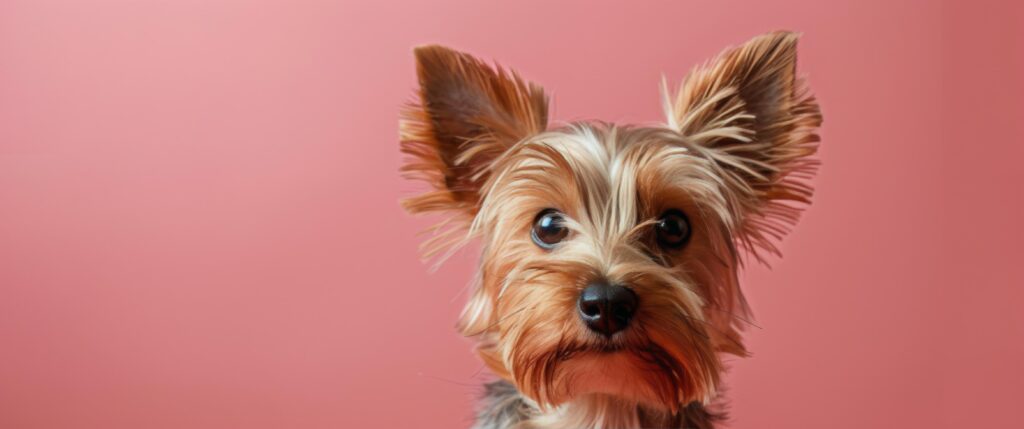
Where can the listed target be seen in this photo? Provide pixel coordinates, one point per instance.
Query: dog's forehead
(614, 138)
(608, 146)
(603, 165)
(607, 155)
(610, 176)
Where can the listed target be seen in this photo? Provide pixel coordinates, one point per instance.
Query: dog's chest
(503, 407)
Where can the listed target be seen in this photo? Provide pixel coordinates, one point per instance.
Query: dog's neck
(503, 407)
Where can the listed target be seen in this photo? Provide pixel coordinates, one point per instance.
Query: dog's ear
(752, 114)
(467, 115)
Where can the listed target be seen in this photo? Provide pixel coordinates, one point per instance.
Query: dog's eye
(673, 229)
(549, 229)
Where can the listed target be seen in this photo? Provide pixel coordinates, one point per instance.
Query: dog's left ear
(752, 114)
(467, 115)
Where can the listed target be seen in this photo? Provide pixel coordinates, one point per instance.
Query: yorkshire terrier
(607, 291)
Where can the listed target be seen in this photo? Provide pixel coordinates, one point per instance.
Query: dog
(607, 292)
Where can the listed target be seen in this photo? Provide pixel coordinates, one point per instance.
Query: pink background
(199, 223)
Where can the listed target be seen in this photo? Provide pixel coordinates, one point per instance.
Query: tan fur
(734, 156)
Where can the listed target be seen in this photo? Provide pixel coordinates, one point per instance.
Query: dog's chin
(618, 373)
(623, 374)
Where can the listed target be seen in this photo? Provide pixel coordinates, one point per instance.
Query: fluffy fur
(734, 154)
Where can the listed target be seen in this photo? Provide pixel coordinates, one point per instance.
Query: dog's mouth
(646, 366)
(608, 348)
(643, 375)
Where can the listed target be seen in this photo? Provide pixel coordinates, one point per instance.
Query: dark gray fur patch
(502, 407)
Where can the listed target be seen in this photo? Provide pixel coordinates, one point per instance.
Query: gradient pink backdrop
(199, 224)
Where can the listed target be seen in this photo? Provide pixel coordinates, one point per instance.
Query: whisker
(497, 322)
(715, 329)
(734, 316)
(458, 383)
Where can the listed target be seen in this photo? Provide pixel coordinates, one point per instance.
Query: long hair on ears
(467, 115)
(750, 112)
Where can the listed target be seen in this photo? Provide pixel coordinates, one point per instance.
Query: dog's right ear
(467, 115)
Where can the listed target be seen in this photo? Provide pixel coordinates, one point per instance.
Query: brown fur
(734, 156)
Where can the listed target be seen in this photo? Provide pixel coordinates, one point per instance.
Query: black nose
(606, 308)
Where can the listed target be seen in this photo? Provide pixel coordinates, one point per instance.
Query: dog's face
(610, 253)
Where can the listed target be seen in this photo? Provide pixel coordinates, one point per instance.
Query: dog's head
(610, 253)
